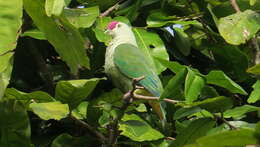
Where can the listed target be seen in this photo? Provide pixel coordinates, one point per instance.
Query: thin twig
(100, 136)
(234, 5)
(109, 10)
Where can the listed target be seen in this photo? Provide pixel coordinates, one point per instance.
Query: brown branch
(127, 99)
(109, 10)
(225, 121)
(142, 97)
(234, 5)
(100, 136)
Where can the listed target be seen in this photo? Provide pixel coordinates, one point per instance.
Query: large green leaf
(135, 128)
(216, 104)
(55, 7)
(195, 130)
(173, 86)
(74, 91)
(4, 79)
(152, 46)
(82, 17)
(239, 27)
(36, 96)
(239, 137)
(182, 41)
(173, 66)
(14, 125)
(10, 23)
(61, 34)
(50, 110)
(237, 112)
(254, 69)
(255, 94)
(193, 86)
(183, 112)
(34, 33)
(66, 140)
(228, 57)
(219, 78)
(81, 111)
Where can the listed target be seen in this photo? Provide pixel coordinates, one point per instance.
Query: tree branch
(100, 136)
(109, 10)
(234, 5)
(225, 121)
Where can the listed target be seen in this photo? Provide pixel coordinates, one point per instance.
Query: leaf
(182, 41)
(193, 86)
(173, 86)
(219, 78)
(237, 112)
(183, 112)
(55, 7)
(239, 137)
(195, 130)
(216, 104)
(14, 125)
(239, 27)
(81, 111)
(255, 94)
(63, 36)
(66, 140)
(11, 20)
(50, 110)
(37, 96)
(82, 17)
(254, 69)
(136, 129)
(4, 79)
(34, 33)
(173, 66)
(72, 92)
(152, 46)
(228, 57)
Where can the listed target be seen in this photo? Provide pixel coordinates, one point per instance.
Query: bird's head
(116, 28)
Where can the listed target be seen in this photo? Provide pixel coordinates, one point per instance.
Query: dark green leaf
(173, 86)
(82, 17)
(195, 130)
(173, 66)
(152, 46)
(239, 137)
(137, 129)
(14, 125)
(63, 36)
(74, 91)
(193, 86)
(183, 112)
(216, 104)
(219, 78)
(66, 140)
(182, 41)
(239, 111)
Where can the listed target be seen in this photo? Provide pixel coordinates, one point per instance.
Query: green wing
(132, 63)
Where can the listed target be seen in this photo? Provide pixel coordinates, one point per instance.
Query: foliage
(54, 92)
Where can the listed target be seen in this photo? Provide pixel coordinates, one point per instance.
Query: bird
(125, 61)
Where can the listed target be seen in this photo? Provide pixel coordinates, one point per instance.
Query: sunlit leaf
(50, 110)
(255, 94)
(239, 27)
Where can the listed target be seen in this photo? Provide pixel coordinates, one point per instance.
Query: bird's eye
(119, 25)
